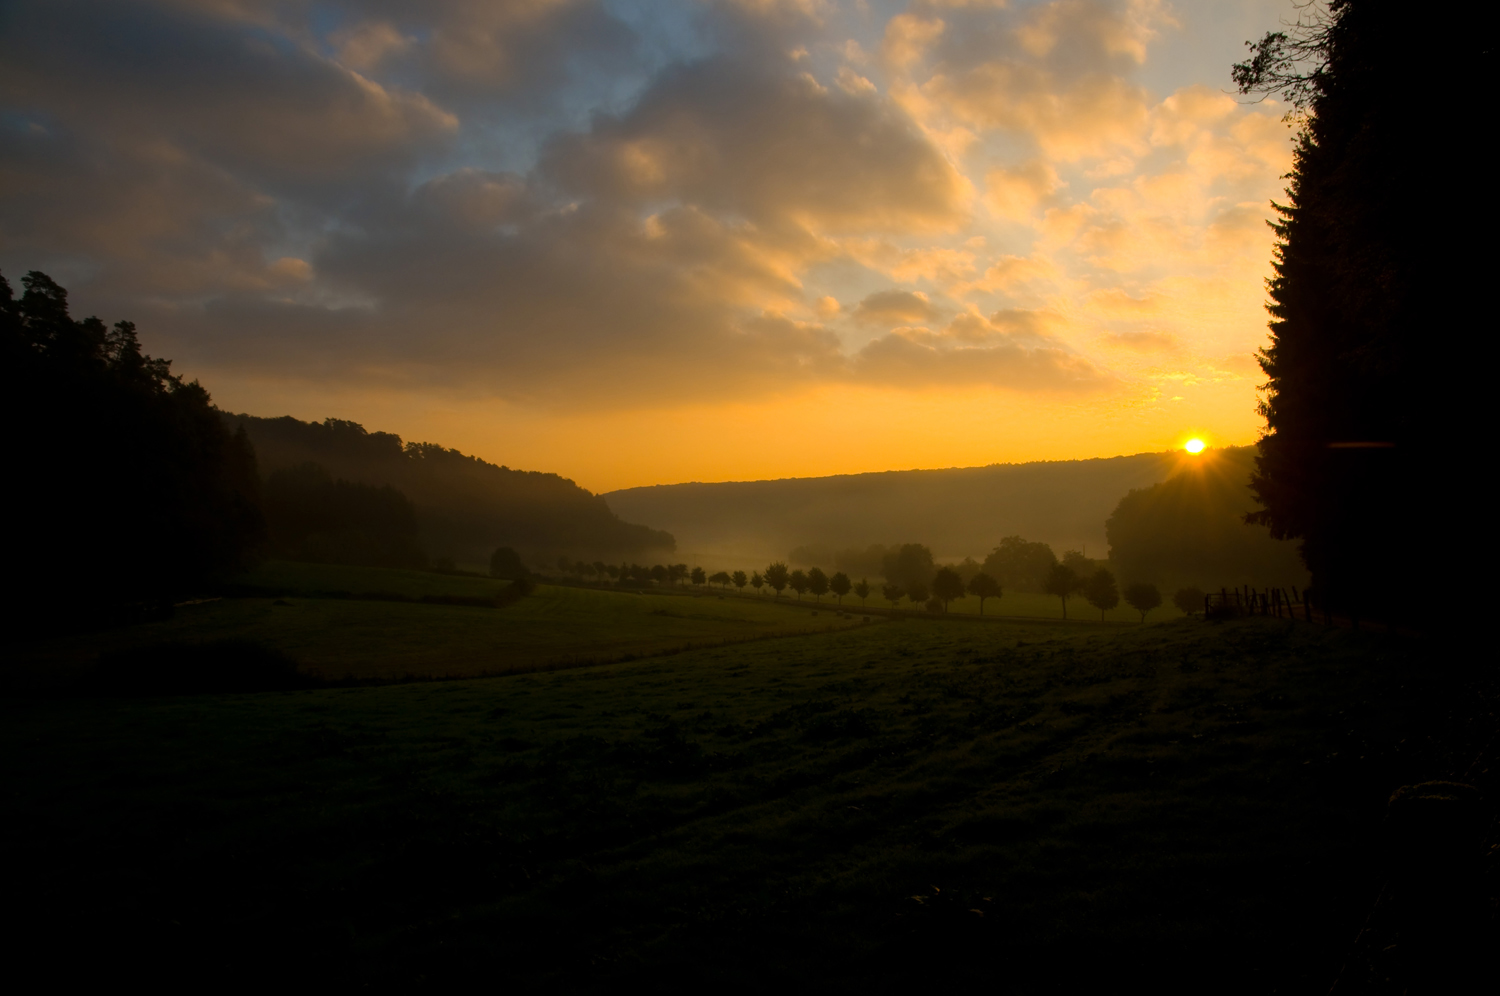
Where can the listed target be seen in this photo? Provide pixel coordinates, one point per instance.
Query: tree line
(909, 573)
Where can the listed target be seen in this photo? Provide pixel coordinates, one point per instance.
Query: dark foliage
(315, 518)
(1019, 565)
(506, 563)
(119, 468)
(1376, 297)
(1190, 530)
(465, 507)
(909, 565)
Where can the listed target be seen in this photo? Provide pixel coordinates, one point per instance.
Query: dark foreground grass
(335, 639)
(1183, 807)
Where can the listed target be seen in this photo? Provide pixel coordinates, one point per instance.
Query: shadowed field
(899, 802)
(335, 638)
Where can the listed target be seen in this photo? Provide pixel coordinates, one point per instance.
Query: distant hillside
(958, 512)
(465, 507)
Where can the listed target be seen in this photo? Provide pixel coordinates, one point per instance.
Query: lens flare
(1194, 446)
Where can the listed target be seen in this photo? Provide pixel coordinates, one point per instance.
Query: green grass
(371, 640)
(1192, 804)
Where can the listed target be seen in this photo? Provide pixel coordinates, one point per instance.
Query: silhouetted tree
(907, 565)
(918, 593)
(698, 576)
(862, 591)
(506, 563)
(1143, 597)
(757, 581)
(798, 582)
(720, 578)
(113, 461)
(1363, 415)
(892, 593)
(660, 573)
(947, 585)
(677, 573)
(1020, 566)
(778, 577)
(1063, 582)
(840, 585)
(817, 583)
(739, 579)
(1189, 600)
(1102, 592)
(983, 586)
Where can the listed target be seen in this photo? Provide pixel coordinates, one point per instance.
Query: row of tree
(910, 575)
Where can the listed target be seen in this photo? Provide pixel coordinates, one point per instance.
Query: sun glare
(1194, 446)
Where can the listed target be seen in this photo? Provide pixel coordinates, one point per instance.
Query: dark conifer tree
(1375, 294)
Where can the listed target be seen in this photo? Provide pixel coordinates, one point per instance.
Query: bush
(188, 668)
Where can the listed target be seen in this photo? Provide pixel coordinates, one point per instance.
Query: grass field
(335, 638)
(1018, 806)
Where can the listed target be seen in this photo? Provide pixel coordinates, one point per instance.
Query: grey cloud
(895, 307)
(250, 101)
(771, 146)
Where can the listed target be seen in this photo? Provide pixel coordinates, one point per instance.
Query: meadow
(366, 639)
(1018, 805)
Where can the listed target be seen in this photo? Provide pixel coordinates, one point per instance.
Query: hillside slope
(958, 512)
(465, 506)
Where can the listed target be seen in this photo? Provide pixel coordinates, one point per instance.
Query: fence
(1247, 601)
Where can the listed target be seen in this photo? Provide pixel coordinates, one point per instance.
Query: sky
(650, 242)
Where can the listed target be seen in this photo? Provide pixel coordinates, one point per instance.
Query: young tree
(660, 573)
(983, 586)
(817, 583)
(918, 593)
(1143, 597)
(798, 582)
(778, 577)
(840, 585)
(739, 579)
(698, 576)
(677, 573)
(721, 579)
(1188, 600)
(892, 593)
(1102, 592)
(1062, 582)
(862, 591)
(947, 585)
(757, 582)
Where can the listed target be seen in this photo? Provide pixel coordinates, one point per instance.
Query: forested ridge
(464, 506)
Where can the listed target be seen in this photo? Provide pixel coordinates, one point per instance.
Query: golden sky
(641, 243)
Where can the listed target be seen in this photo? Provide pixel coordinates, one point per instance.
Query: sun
(1193, 446)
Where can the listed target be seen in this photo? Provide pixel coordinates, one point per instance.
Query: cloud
(577, 205)
(261, 107)
(775, 147)
(1143, 342)
(895, 307)
(914, 360)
